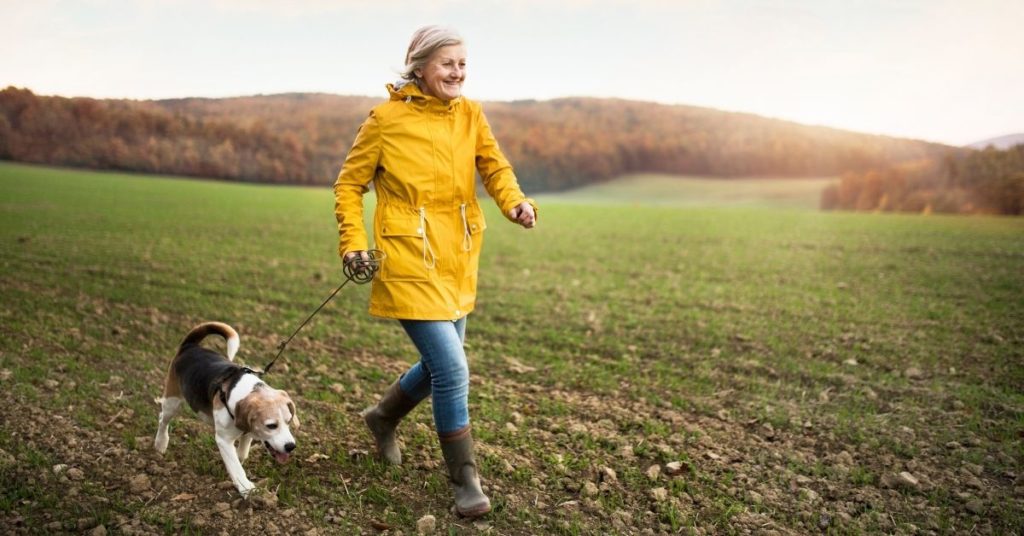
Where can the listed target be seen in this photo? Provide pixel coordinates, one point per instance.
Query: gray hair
(424, 43)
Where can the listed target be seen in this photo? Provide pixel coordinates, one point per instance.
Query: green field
(671, 190)
(680, 369)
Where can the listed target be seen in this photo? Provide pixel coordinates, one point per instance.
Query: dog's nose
(289, 447)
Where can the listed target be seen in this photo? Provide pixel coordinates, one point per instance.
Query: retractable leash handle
(355, 269)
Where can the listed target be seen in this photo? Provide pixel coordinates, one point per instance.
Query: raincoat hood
(410, 92)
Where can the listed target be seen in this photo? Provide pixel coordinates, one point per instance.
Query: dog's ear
(244, 414)
(291, 407)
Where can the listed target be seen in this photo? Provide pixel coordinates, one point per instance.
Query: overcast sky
(950, 71)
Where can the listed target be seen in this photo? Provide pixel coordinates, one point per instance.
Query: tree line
(986, 181)
(303, 138)
(138, 136)
(578, 141)
(554, 145)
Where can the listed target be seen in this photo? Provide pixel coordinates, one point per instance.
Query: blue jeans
(442, 371)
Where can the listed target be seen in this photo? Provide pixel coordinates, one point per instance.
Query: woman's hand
(523, 215)
(358, 259)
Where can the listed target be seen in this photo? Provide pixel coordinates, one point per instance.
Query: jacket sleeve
(495, 171)
(353, 182)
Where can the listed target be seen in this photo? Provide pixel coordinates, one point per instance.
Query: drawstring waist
(467, 237)
(426, 241)
(429, 257)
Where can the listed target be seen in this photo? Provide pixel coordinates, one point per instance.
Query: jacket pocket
(401, 239)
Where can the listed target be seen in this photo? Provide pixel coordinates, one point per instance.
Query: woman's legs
(442, 371)
(436, 342)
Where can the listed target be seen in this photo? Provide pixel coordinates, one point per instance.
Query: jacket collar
(412, 94)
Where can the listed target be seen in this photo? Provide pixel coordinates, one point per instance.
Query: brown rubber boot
(470, 500)
(383, 418)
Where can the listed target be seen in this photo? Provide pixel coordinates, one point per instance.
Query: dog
(233, 398)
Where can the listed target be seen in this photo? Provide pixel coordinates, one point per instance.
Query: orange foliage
(554, 145)
(988, 181)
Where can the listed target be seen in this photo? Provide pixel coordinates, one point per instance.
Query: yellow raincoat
(421, 154)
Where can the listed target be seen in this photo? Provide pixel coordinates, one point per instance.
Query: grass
(689, 191)
(767, 347)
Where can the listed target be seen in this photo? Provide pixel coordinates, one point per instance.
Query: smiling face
(444, 73)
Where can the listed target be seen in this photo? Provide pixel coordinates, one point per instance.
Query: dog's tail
(200, 332)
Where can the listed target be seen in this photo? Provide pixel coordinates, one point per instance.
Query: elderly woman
(421, 150)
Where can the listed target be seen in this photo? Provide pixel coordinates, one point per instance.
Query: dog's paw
(160, 444)
(247, 489)
(262, 499)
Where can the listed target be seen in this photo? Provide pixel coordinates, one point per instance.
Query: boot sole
(473, 512)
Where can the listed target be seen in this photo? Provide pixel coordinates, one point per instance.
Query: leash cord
(356, 269)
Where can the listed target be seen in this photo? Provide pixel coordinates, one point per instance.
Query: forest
(555, 145)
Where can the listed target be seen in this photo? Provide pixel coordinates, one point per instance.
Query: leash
(355, 269)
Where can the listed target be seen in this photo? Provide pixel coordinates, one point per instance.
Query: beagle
(231, 397)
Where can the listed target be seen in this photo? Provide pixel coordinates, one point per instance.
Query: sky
(950, 71)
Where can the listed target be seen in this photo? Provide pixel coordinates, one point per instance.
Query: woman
(421, 149)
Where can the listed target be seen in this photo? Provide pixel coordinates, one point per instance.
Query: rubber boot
(470, 500)
(383, 418)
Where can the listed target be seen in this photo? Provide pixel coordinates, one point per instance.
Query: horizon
(883, 68)
(656, 103)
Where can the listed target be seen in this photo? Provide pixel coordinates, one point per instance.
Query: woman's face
(444, 72)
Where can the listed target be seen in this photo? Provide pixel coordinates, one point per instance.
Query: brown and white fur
(231, 397)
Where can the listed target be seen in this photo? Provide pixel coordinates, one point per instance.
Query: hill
(555, 145)
(999, 142)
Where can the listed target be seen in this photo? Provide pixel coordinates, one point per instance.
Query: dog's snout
(289, 447)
